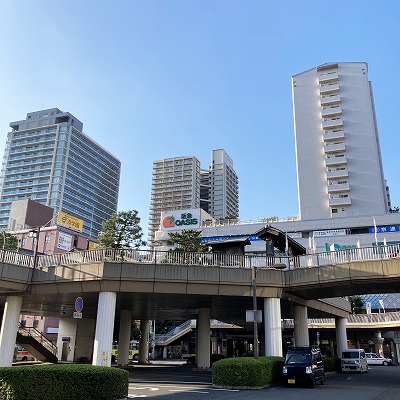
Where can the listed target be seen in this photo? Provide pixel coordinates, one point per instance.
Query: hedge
(63, 382)
(247, 372)
(331, 364)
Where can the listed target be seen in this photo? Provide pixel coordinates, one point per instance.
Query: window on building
(35, 323)
(47, 239)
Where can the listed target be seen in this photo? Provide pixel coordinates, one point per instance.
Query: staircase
(34, 342)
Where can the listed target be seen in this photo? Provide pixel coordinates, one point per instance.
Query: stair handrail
(38, 336)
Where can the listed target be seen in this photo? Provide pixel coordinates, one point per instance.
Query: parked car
(354, 360)
(374, 359)
(303, 365)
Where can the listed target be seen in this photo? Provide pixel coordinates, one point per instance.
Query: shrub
(247, 372)
(63, 382)
(331, 363)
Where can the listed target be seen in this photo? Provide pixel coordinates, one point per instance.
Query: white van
(354, 360)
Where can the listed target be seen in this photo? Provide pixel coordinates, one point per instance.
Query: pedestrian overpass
(177, 285)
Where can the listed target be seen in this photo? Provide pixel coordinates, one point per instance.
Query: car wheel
(24, 358)
(136, 357)
(385, 363)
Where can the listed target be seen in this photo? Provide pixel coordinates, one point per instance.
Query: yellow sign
(69, 221)
(92, 245)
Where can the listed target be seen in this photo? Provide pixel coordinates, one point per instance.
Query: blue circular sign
(78, 304)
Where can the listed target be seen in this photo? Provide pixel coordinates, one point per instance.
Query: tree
(188, 240)
(8, 241)
(122, 230)
(356, 304)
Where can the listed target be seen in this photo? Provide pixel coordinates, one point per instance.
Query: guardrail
(248, 260)
(38, 337)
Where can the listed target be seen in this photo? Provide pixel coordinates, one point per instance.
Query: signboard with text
(182, 219)
(69, 221)
(64, 241)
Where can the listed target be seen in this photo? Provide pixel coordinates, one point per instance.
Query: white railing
(248, 260)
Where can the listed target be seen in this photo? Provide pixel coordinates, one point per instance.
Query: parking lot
(178, 381)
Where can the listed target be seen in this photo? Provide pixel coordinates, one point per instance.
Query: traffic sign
(79, 304)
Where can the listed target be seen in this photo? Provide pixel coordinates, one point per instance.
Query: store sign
(69, 221)
(179, 220)
(64, 241)
(332, 232)
(384, 229)
(295, 235)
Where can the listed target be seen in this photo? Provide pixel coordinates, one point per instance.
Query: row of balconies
(331, 147)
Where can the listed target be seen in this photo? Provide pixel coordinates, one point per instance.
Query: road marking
(190, 391)
(145, 387)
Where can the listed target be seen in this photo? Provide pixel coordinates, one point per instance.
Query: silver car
(374, 359)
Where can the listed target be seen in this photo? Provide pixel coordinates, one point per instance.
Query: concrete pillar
(214, 345)
(165, 352)
(104, 329)
(378, 341)
(273, 327)
(124, 337)
(301, 337)
(396, 342)
(66, 339)
(144, 341)
(9, 328)
(203, 338)
(341, 335)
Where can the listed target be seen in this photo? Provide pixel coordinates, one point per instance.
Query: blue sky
(158, 79)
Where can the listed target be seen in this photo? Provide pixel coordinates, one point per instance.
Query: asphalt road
(178, 381)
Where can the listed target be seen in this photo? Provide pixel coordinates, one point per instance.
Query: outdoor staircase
(34, 342)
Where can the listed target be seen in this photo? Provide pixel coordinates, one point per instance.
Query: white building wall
(352, 121)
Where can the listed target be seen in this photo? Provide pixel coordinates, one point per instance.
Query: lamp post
(255, 311)
(34, 233)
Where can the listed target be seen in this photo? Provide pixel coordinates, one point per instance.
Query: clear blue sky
(157, 79)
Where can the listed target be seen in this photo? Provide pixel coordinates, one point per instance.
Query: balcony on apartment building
(328, 77)
(333, 134)
(329, 88)
(334, 147)
(330, 99)
(331, 123)
(335, 160)
(337, 200)
(333, 110)
(338, 187)
(341, 173)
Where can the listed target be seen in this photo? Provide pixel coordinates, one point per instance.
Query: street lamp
(34, 233)
(255, 311)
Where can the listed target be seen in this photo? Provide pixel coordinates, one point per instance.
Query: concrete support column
(341, 335)
(124, 337)
(396, 342)
(165, 352)
(104, 329)
(144, 341)
(9, 328)
(273, 327)
(203, 338)
(301, 337)
(378, 341)
(66, 339)
(214, 345)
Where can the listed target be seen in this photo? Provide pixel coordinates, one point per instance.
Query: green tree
(121, 230)
(188, 240)
(8, 241)
(356, 304)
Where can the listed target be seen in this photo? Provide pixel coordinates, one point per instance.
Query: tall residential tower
(50, 160)
(339, 165)
(179, 183)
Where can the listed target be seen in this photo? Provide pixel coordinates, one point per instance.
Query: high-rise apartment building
(175, 186)
(49, 159)
(339, 165)
(179, 183)
(223, 186)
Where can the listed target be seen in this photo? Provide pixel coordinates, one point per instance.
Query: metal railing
(248, 260)
(38, 337)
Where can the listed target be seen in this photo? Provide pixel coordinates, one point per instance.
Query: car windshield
(350, 354)
(298, 358)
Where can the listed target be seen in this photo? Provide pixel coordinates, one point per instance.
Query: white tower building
(339, 165)
(175, 186)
